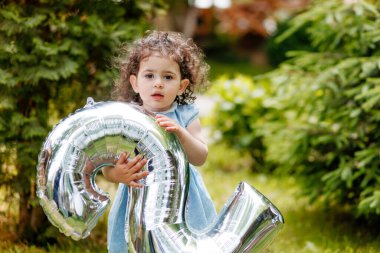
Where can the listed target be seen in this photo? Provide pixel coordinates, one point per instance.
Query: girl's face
(158, 82)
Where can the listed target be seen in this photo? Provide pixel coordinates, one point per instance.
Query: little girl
(160, 72)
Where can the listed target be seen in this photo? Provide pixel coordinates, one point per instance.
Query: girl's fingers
(123, 158)
(171, 129)
(160, 116)
(165, 123)
(137, 176)
(132, 162)
(134, 166)
(138, 166)
(162, 119)
(135, 185)
(143, 174)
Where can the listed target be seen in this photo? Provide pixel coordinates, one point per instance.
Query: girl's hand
(190, 137)
(168, 124)
(126, 171)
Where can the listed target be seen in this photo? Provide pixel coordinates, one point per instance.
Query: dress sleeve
(189, 113)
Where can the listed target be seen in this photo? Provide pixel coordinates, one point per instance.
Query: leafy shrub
(276, 49)
(241, 109)
(53, 55)
(322, 121)
(334, 99)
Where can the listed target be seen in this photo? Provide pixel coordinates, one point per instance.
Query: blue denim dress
(200, 210)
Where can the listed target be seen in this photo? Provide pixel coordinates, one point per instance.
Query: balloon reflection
(93, 137)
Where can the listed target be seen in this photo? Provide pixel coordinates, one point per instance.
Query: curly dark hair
(173, 45)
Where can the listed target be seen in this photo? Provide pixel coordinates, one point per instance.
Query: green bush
(53, 55)
(277, 50)
(324, 110)
(241, 110)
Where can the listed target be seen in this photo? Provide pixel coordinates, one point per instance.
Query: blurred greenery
(277, 51)
(312, 120)
(316, 115)
(225, 59)
(240, 103)
(224, 67)
(53, 54)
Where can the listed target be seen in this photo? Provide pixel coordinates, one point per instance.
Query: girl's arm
(192, 140)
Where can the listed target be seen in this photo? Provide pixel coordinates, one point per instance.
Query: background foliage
(53, 55)
(242, 110)
(314, 117)
(317, 115)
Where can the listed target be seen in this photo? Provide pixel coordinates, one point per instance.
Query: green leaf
(7, 78)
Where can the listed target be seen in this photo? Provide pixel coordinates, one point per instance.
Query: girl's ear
(183, 85)
(133, 81)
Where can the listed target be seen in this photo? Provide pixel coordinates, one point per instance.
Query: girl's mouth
(157, 96)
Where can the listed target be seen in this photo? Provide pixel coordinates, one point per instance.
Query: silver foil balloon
(93, 137)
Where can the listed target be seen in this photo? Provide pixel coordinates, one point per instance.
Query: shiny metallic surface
(93, 137)
(247, 223)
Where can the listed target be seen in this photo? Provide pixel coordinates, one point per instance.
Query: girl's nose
(158, 83)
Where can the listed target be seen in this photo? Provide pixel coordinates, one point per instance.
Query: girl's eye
(149, 76)
(168, 77)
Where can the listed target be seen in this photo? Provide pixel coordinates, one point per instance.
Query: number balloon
(93, 137)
